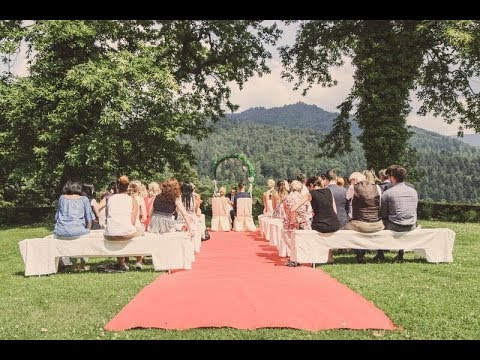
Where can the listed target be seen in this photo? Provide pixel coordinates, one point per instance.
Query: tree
(105, 98)
(391, 58)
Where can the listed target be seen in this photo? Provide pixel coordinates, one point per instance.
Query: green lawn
(427, 301)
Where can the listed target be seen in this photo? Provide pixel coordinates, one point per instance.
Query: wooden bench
(169, 251)
(310, 246)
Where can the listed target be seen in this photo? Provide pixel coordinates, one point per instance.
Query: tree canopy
(392, 59)
(108, 97)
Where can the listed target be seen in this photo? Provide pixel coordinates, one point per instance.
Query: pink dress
(148, 205)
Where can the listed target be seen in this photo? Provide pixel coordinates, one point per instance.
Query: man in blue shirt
(240, 194)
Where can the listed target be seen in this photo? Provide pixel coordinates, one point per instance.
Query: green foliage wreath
(250, 168)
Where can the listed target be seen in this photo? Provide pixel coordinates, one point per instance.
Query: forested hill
(299, 116)
(281, 149)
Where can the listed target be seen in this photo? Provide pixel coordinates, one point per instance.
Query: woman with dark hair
(188, 198)
(88, 191)
(189, 202)
(164, 205)
(111, 190)
(73, 218)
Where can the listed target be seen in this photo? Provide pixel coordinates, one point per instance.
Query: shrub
(428, 210)
(25, 215)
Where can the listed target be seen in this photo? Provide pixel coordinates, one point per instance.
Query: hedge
(448, 212)
(26, 215)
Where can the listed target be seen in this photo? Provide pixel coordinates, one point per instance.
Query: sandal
(82, 269)
(292, 263)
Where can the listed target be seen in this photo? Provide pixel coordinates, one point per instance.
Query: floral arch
(247, 166)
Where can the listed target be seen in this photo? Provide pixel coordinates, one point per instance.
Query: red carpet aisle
(239, 281)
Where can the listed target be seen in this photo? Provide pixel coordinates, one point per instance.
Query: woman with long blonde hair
(152, 192)
(268, 198)
(278, 199)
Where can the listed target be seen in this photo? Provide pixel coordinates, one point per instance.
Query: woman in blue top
(73, 218)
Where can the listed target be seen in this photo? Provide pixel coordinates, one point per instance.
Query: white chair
(220, 215)
(244, 219)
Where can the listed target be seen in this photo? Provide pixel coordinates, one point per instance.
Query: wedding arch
(247, 166)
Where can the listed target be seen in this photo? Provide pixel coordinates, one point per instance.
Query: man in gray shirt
(398, 205)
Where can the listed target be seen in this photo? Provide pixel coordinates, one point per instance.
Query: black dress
(324, 220)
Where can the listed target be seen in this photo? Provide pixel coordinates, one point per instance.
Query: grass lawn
(428, 301)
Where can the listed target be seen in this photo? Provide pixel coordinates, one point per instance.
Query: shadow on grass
(68, 270)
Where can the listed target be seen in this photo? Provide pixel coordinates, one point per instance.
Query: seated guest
(88, 191)
(310, 182)
(341, 182)
(305, 191)
(136, 190)
(268, 198)
(153, 190)
(278, 199)
(399, 205)
(384, 181)
(371, 177)
(241, 194)
(111, 189)
(164, 206)
(325, 219)
(102, 216)
(189, 202)
(73, 218)
(233, 192)
(122, 214)
(225, 200)
(339, 194)
(198, 200)
(297, 214)
(365, 199)
(296, 210)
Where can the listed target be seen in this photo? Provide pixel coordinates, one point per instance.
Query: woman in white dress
(122, 214)
(268, 198)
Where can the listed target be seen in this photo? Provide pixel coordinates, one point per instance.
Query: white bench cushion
(310, 246)
(169, 251)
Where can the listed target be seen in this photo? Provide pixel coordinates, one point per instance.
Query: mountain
(283, 141)
(299, 116)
